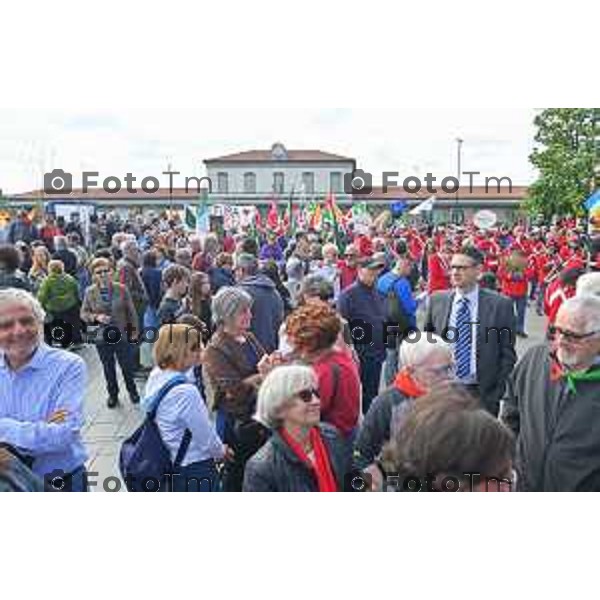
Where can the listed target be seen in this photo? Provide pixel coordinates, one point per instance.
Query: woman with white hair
(302, 455)
(425, 363)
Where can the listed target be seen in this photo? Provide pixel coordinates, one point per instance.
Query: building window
(249, 183)
(335, 183)
(222, 183)
(308, 183)
(278, 183)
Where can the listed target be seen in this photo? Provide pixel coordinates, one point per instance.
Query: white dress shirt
(473, 298)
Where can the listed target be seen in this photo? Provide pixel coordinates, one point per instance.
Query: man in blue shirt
(41, 395)
(398, 281)
(365, 310)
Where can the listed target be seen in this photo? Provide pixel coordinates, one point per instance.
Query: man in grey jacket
(553, 405)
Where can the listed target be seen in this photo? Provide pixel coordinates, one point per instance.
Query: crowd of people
(308, 370)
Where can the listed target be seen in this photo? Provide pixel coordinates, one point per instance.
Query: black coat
(275, 467)
(379, 424)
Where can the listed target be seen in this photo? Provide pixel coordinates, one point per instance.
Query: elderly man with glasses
(41, 395)
(425, 363)
(553, 404)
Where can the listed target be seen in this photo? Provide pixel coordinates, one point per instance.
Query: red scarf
(407, 385)
(322, 465)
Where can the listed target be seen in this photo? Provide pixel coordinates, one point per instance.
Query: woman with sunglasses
(109, 305)
(302, 455)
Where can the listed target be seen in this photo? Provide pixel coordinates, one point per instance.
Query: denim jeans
(520, 306)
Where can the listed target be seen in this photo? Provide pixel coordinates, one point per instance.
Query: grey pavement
(105, 429)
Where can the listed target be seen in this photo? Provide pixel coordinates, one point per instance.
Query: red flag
(273, 217)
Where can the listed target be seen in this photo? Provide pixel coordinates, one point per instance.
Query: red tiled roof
(465, 193)
(292, 156)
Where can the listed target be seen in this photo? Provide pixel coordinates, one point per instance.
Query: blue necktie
(462, 351)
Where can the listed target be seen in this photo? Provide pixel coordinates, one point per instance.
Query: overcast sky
(497, 142)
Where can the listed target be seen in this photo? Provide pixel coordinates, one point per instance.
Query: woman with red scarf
(302, 455)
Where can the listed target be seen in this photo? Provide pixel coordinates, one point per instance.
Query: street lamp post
(460, 142)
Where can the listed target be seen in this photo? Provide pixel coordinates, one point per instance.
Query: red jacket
(514, 285)
(439, 274)
(339, 393)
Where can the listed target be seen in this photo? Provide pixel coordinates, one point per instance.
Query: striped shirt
(52, 380)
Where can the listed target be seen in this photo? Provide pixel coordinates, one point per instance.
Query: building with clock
(259, 176)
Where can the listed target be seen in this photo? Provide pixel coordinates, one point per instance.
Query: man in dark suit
(481, 326)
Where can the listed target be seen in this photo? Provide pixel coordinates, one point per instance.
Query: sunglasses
(570, 336)
(307, 395)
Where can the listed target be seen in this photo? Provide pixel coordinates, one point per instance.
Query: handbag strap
(187, 436)
(183, 448)
(173, 383)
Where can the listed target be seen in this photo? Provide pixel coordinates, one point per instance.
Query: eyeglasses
(443, 371)
(23, 322)
(102, 271)
(461, 267)
(307, 395)
(571, 336)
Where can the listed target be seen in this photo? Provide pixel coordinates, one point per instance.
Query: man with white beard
(553, 404)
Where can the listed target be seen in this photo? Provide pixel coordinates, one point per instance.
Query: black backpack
(144, 457)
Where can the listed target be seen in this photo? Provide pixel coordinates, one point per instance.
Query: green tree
(567, 158)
